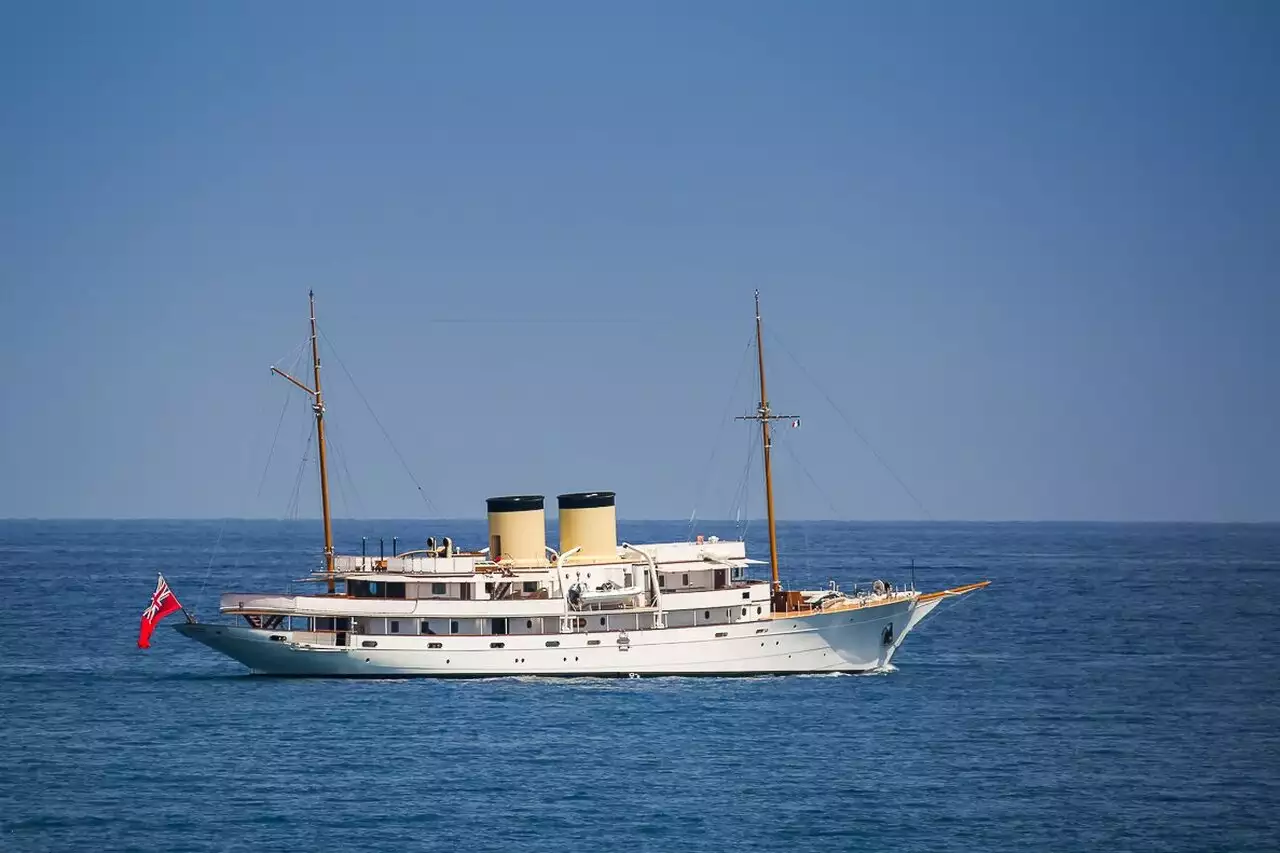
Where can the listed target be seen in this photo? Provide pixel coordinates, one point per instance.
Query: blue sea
(1114, 689)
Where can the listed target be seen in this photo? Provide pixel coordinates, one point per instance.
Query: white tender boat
(591, 606)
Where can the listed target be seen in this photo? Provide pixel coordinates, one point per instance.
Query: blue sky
(1029, 249)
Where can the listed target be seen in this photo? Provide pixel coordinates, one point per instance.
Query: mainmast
(317, 406)
(765, 416)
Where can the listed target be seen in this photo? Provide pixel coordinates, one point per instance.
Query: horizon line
(553, 519)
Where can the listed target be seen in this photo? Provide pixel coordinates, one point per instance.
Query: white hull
(840, 641)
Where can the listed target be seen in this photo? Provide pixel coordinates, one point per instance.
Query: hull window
(437, 589)
(453, 626)
(393, 627)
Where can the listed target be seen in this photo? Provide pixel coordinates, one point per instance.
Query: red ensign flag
(163, 602)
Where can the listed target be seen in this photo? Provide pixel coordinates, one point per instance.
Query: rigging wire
(292, 360)
(786, 445)
(884, 463)
(340, 456)
(295, 355)
(291, 511)
(374, 415)
(742, 495)
(715, 447)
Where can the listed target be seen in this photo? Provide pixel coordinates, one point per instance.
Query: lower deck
(845, 641)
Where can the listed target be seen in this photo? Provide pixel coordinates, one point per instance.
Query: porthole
(277, 638)
(744, 611)
(529, 624)
(759, 610)
(602, 620)
(706, 614)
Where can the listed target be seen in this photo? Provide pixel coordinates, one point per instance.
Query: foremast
(766, 418)
(317, 406)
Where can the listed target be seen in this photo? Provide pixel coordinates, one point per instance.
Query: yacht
(589, 605)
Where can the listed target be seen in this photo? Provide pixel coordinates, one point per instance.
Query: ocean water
(1115, 688)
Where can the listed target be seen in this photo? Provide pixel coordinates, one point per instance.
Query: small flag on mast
(163, 602)
(795, 424)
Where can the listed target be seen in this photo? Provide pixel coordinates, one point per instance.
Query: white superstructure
(591, 606)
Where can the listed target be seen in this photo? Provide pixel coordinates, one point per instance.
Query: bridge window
(684, 580)
(438, 589)
(530, 586)
(424, 627)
